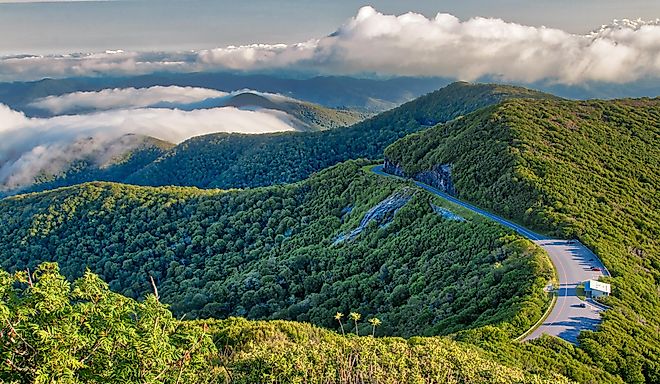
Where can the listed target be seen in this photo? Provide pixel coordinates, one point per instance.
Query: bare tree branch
(153, 284)
(29, 277)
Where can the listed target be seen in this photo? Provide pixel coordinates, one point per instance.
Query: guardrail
(541, 320)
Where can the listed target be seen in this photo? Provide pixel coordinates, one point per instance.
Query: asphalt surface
(567, 319)
(573, 263)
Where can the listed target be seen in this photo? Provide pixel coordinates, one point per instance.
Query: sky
(552, 42)
(371, 42)
(145, 25)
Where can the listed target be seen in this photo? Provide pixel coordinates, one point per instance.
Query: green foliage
(587, 169)
(268, 253)
(237, 161)
(56, 332)
(52, 331)
(545, 355)
(286, 352)
(141, 151)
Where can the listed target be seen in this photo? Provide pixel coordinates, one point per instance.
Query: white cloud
(30, 147)
(409, 44)
(125, 98)
(158, 96)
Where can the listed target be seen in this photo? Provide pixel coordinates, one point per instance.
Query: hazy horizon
(504, 44)
(170, 25)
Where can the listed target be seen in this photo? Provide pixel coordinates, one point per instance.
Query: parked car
(582, 305)
(595, 269)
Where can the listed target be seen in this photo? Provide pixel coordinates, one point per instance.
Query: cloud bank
(124, 98)
(32, 147)
(186, 98)
(408, 44)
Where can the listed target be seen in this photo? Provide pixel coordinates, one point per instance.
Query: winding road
(573, 263)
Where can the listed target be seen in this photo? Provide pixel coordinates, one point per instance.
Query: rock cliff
(439, 176)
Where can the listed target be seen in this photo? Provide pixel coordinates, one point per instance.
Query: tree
(55, 331)
(356, 317)
(338, 317)
(375, 322)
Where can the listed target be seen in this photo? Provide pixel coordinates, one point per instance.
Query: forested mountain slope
(121, 340)
(234, 160)
(305, 116)
(586, 169)
(342, 240)
(108, 158)
(112, 160)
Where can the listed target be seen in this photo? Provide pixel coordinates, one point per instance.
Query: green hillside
(136, 152)
(57, 332)
(301, 252)
(346, 240)
(234, 160)
(575, 169)
(130, 153)
(306, 116)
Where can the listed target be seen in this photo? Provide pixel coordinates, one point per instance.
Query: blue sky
(73, 26)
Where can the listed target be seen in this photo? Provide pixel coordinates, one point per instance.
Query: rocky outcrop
(439, 176)
(447, 214)
(393, 168)
(383, 213)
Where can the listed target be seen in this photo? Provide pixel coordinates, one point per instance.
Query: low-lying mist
(34, 148)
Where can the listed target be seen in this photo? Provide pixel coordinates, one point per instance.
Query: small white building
(593, 288)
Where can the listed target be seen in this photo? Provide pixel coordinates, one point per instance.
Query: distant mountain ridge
(236, 161)
(72, 164)
(306, 116)
(366, 95)
(114, 160)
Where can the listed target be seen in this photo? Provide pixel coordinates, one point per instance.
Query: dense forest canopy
(54, 331)
(347, 241)
(236, 160)
(588, 169)
(273, 253)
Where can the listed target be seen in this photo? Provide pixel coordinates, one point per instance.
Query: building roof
(594, 285)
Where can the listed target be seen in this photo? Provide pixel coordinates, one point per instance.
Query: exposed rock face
(447, 214)
(393, 168)
(383, 213)
(439, 176)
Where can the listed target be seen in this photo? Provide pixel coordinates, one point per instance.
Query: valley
(302, 232)
(275, 192)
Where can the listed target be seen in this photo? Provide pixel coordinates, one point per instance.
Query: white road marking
(566, 322)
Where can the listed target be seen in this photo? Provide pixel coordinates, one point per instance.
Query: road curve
(573, 263)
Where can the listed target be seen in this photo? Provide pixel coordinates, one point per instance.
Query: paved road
(573, 263)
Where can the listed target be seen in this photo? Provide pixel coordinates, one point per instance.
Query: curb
(598, 305)
(540, 321)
